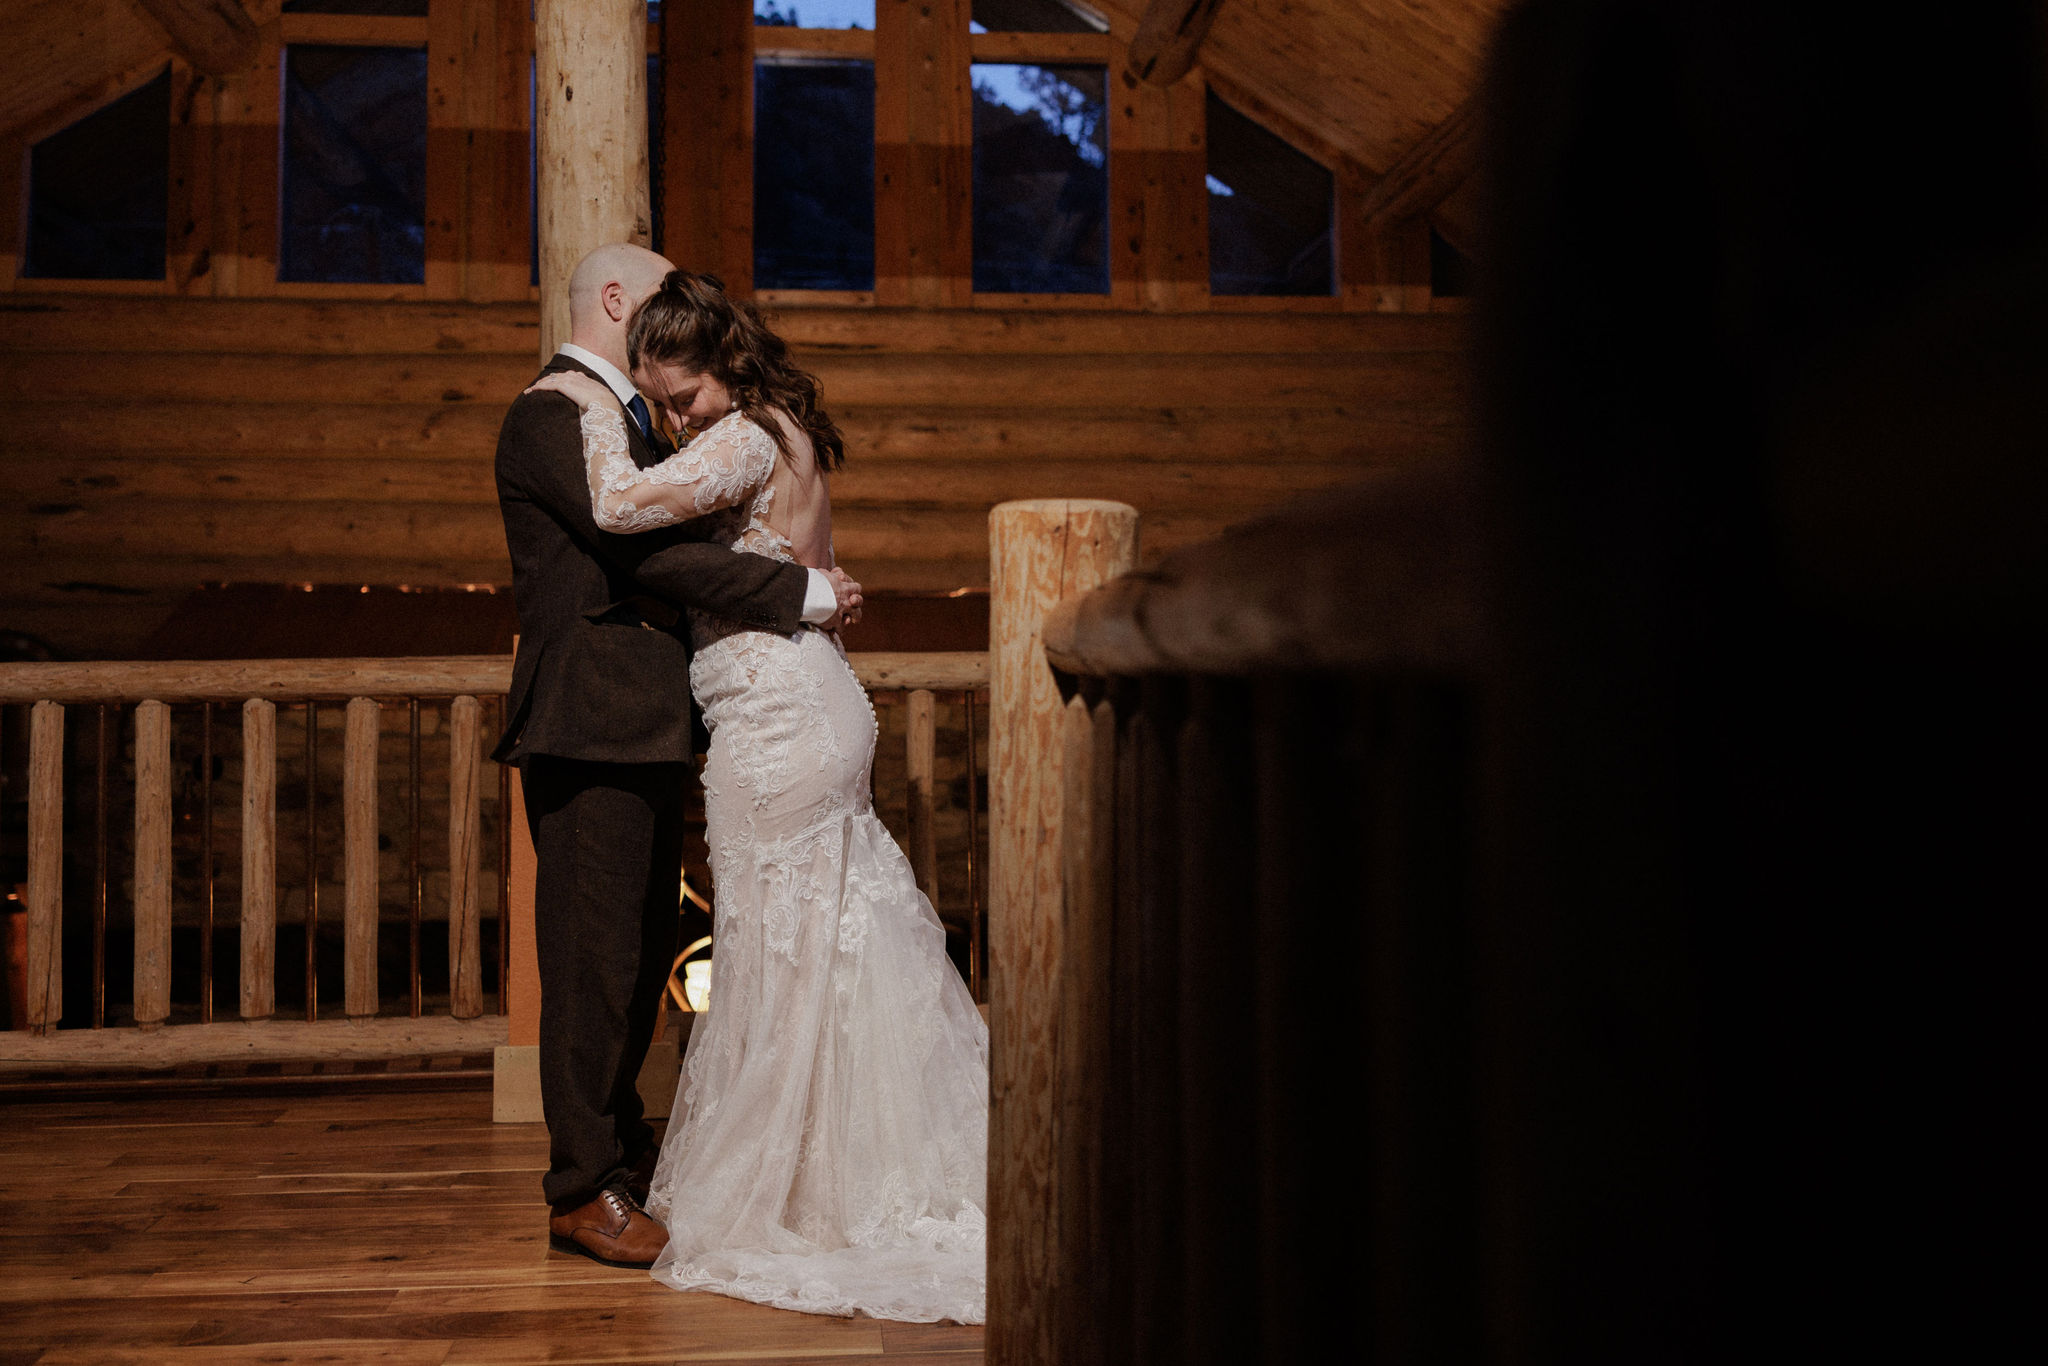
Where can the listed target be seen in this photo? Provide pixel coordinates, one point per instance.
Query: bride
(827, 1151)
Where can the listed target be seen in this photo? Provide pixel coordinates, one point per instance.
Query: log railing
(471, 687)
(1228, 810)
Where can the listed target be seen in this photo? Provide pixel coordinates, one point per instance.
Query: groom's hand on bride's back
(848, 594)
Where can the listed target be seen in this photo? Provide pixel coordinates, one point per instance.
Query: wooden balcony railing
(471, 690)
(1228, 805)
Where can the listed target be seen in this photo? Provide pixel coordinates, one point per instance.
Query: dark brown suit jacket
(602, 670)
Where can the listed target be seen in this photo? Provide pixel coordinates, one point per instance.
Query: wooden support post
(465, 860)
(359, 857)
(1089, 1289)
(259, 859)
(920, 748)
(152, 863)
(45, 866)
(591, 99)
(1041, 552)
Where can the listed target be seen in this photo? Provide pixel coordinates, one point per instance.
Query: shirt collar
(605, 371)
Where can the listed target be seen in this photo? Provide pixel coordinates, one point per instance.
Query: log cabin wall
(222, 425)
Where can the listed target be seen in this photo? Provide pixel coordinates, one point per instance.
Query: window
(1270, 211)
(814, 14)
(814, 174)
(97, 192)
(1041, 179)
(355, 164)
(1031, 16)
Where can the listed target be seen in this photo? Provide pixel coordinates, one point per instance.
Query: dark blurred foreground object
(1568, 908)
(1764, 433)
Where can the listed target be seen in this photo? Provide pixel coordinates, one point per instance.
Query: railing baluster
(99, 875)
(206, 862)
(259, 859)
(413, 849)
(977, 945)
(45, 866)
(504, 868)
(152, 863)
(312, 921)
(359, 857)
(919, 750)
(465, 861)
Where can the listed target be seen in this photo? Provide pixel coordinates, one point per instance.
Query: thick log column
(1041, 552)
(591, 97)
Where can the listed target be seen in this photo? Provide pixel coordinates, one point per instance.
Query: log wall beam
(215, 36)
(1170, 34)
(1430, 173)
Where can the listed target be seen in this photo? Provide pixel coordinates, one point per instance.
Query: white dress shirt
(821, 604)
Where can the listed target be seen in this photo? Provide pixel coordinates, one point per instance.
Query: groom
(599, 721)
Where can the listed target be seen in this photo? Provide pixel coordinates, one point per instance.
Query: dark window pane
(413, 8)
(1031, 16)
(1450, 270)
(814, 13)
(355, 165)
(97, 192)
(1270, 211)
(1041, 180)
(814, 175)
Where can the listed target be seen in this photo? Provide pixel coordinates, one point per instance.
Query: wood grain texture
(152, 862)
(300, 441)
(1087, 1068)
(465, 859)
(1041, 553)
(590, 65)
(1168, 38)
(259, 859)
(708, 139)
(250, 1227)
(215, 36)
(359, 857)
(45, 971)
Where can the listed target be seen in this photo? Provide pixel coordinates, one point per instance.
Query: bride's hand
(587, 392)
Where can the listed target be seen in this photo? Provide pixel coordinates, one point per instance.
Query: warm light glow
(697, 983)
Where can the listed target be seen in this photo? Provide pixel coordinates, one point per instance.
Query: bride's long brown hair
(692, 322)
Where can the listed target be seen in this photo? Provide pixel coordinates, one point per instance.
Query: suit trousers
(608, 845)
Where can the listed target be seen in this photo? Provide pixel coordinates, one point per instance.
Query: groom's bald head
(605, 288)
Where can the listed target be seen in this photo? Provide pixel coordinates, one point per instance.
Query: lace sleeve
(722, 467)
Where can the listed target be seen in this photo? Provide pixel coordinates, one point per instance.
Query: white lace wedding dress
(827, 1151)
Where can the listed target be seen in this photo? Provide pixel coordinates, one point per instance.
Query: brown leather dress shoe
(640, 1175)
(610, 1229)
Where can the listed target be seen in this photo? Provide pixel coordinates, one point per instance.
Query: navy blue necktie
(643, 418)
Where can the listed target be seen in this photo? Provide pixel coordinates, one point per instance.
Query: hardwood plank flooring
(346, 1226)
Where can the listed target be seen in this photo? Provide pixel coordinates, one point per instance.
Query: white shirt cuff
(821, 604)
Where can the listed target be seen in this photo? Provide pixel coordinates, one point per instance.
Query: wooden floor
(349, 1225)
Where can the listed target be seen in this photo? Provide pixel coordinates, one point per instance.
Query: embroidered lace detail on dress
(724, 463)
(827, 1151)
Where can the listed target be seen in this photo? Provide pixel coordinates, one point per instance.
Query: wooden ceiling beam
(216, 36)
(1170, 33)
(1428, 177)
